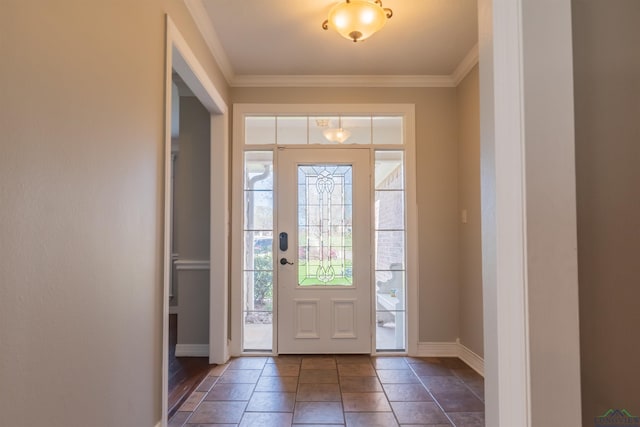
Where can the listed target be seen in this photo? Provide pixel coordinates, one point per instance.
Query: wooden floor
(185, 373)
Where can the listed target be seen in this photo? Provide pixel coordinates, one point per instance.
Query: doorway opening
(207, 266)
(328, 249)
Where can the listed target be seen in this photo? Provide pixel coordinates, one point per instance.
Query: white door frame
(527, 160)
(180, 57)
(240, 111)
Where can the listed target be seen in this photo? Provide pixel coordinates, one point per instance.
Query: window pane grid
(309, 129)
(389, 243)
(258, 244)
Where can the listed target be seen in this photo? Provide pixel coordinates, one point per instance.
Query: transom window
(303, 130)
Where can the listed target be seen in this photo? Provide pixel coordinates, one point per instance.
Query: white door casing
(243, 145)
(324, 318)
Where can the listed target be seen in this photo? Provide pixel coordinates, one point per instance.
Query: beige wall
(192, 181)
(470, 246)
(606, 37)
(191, 216)
(437, 159)
(81, 116)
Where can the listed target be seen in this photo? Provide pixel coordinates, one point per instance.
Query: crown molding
(466, 65)
(203, 22)
(342, 81)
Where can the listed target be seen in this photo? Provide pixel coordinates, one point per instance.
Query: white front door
(324, 251)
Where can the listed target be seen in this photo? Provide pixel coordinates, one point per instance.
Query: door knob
(284, 261)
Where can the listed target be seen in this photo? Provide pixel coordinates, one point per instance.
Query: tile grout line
(467, 386)
(395, 416)
(431, 394)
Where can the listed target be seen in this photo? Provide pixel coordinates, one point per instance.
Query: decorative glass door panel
(324, 225)
(324, 269)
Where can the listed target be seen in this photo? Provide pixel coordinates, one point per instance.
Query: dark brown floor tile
(217, 371)
(218, 412)
(318, 362)
(458, 400)
(453, 363)
(467, 374)
(285, 359)
(356, 370)
(418, 413)
(407, 393)
(243, 376)
(266, 419)
(269, 401)
(248, 363)
(427, 425)
(344, 359)
(477, 387)
(431, 369)
(389, 363)
(375, 419)
(230, 392)
(318, 393)
(317, 425)
(467, 419)
(288, 384)
(192, 401)
(281, 370)
(359, 384)
(451, 383)
(318, 376)
(207, 383)
(397, 376)
(318, 413)
(417, 360)
(365, 402)
(211, 425)
(178, 419)
(336, 390)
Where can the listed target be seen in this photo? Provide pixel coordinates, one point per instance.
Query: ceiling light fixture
(338, 134)
(357, 20)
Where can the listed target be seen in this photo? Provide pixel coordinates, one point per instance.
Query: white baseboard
(438, 349)
(472, 359)
(452, 349)
(192, 350)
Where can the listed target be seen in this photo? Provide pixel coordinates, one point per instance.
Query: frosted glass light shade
(357, 20)
(336, 135)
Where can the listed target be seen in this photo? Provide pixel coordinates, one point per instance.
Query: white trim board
(181, 59)
(471, 358)
(240, 110)
(192, 350)
(343, 81)
(466, 65)
(452, 349)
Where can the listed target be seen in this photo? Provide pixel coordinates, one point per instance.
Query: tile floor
(327, 390)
